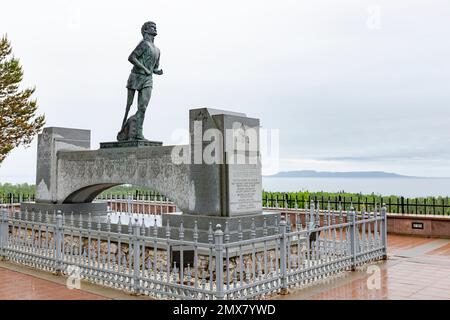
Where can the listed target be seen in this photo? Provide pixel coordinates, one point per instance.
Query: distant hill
(330, 174)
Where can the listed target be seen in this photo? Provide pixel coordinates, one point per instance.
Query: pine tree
(18, 122)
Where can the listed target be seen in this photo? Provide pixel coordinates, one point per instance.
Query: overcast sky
(350, 84)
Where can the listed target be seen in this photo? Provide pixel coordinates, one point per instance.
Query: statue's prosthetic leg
(130, 99)
(143, 101)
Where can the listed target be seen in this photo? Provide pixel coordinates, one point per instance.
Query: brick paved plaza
(417, 268)
(20, 286)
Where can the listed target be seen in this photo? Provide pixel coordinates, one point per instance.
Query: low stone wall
(419, 225)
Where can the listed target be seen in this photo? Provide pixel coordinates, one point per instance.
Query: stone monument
(215, 179)
(225, 190)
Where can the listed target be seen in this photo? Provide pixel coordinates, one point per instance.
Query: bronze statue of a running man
(145, 60)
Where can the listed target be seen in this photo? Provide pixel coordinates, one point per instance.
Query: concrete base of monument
(130, 144)
(67, 208)
(203, 223)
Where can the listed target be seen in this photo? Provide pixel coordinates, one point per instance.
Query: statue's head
(149, 27)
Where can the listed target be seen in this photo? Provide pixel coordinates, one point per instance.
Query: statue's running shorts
(137, 81)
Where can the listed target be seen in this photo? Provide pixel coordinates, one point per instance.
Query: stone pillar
(224, 176)
(205, 197)
(241, 172)
(50, 141)
(225, 163)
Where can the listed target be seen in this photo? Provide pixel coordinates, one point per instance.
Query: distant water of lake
(410, 187)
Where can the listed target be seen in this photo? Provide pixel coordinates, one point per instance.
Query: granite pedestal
(129, 144)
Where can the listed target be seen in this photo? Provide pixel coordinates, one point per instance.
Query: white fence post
(384, 230)
(218, 237)
(283, 256)
(351, 217)
(136, 256)
(59, 240)
(4, 232)
(129, 204)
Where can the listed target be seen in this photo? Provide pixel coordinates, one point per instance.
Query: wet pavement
(417, 268)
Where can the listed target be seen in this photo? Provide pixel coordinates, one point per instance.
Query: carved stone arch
(89, 193)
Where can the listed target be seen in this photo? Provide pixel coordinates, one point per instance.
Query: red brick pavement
(418, 268)
(19, 286)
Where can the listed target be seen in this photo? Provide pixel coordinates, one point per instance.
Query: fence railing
(397, 205)
(135, 196)
(138, 205)
(11, 198)
(400, 205)
(169, 261)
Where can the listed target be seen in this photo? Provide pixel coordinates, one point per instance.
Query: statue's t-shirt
(148, 55)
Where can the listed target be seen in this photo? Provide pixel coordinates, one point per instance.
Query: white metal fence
(131, 203)
(152, 261)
